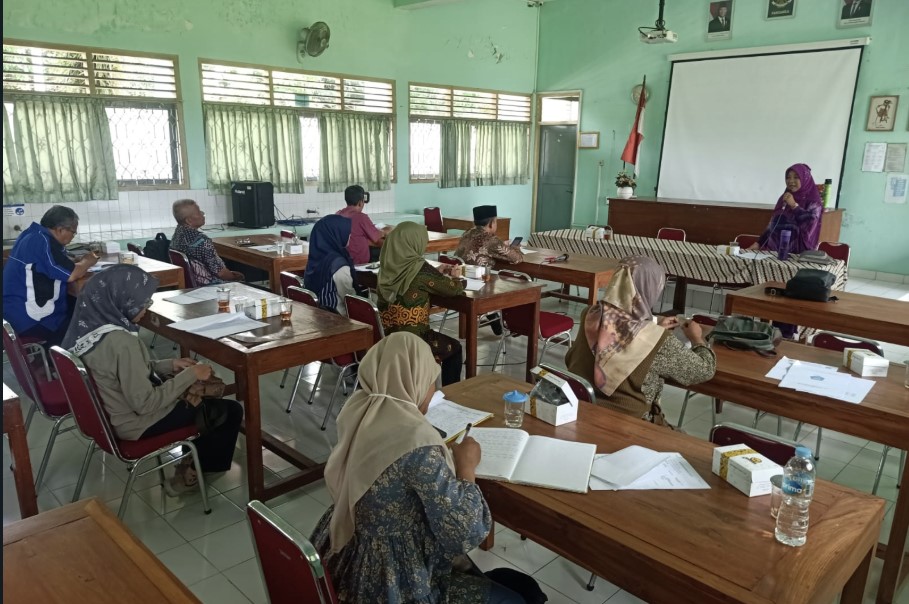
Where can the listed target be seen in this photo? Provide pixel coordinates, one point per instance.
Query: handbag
(744, 333)
(158, 248)
(213, 387)
(211, 413)
(807, 284)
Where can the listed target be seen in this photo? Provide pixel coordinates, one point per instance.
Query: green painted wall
(593, 45)
(447, 44)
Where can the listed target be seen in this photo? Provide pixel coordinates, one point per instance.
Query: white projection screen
(734, 124)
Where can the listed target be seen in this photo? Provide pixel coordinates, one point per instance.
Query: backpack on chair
(158, 248)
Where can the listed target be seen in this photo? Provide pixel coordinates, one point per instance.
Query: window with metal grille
(141, 94)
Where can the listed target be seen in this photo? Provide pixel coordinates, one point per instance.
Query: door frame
(538, 111)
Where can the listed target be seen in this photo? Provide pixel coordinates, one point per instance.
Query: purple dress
(804, 221)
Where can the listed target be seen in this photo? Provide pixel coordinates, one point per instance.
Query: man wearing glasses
(35, 277)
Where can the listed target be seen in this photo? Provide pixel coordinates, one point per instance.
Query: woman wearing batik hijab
(405, 507)
(139, 399)
(627, 353)
(798, 211)
(330, 269)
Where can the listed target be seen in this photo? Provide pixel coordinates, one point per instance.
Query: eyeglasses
(70, 229)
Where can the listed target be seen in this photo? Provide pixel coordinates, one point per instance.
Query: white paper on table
(528, 251)
(754, 255)
(624, 467)
(895, 191)
(380, 225)
(219, 325)
(263, 248)
(367, 268)
(200, 294)
(783, 365)
(672, 472)
(100, 266)
(839, 386)
(474, 285)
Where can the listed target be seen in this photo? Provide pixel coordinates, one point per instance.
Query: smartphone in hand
(516, 241)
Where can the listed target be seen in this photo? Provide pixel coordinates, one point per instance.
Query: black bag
(211, 414)
(744, 333)
(807, 284)
(158, 248)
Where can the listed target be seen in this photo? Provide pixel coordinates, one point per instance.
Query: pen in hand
(463, 436)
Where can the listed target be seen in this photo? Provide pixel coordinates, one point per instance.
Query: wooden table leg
(248, 388)
(533, 342)
(471, 326)
(854, 590)
(680, 296)
(890, 575)
(14, 426)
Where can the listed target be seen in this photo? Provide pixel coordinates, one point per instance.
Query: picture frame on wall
(719, 20)
(588, 140)
(854, 13)
(882, 113)
(779, 9)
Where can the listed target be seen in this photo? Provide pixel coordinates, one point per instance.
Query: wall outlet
(311, 211)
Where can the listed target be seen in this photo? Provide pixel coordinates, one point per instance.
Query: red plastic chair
(836, 250)
(94, 424)
(778, 450)
(671, 234)
(288, 279)
(363, 310)
(180, 259)
(37, 383)
(746, 241)
(296, 292)
(290, 565)
(554, 328)
(581, 387)
(135, 249)
(432, 218)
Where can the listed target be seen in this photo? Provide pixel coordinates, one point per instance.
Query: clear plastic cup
(287, 308)
(776, 494)
(514, 408)
(223, 299)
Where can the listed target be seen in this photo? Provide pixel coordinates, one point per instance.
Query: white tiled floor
(213, 554)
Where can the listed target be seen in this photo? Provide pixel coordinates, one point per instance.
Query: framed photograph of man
(881, 113)
(719, 20)
(780, 9)
(853, 13)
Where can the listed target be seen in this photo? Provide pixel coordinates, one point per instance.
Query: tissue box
(745, 469)
(595, 232)
(549, 390)
(294, 248)
(262, 308)
(729, 250)
(865, 363)
(474, 272)
(110, 247)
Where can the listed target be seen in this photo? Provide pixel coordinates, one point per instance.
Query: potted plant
(625, 185)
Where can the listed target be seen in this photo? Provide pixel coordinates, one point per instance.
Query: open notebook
(452, 418)
(515, 456)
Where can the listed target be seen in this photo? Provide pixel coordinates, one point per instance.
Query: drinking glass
(240, 303)
(223, 299)
(776, 494)
(287, 308)
(279, 246)
(514, 408)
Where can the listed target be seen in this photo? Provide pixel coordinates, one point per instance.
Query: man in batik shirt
(204, 261)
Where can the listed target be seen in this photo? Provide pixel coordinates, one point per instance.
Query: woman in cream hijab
(404, 505)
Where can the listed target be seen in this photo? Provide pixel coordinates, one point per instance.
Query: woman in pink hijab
(797, 211)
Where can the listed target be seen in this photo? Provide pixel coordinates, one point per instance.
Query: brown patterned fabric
(482, 248)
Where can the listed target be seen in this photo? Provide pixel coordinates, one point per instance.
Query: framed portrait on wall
(779, 9)
(881, 113)
(854, 13)
(719, 20)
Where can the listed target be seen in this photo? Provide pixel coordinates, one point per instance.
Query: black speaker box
(253, 204)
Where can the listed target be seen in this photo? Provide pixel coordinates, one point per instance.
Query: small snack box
(595, 232)
(552, 399)
(745, 469)
(262, 308)
(865, 363)
(472, 271)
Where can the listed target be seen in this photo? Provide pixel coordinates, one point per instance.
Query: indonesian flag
(630, 154)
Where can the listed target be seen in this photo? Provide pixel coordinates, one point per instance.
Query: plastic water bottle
(798, 488)
(828, 186)
(783, 252)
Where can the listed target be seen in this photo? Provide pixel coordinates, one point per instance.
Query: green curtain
(454, 154)
(502, 151)
(356, 149)
(12, 191)
(253, 143)
(63, 150)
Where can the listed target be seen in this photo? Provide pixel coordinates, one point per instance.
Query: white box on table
(294, 248)
(745, 469)
(538, 406)
(262, 308)
(472, 271)
(865, 363)
(110, 247)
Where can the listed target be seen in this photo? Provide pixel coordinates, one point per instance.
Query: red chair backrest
(21, 369)
(180, 259)
(432, 218)
(364, 311)
(90, 416)
(777, 449)
(301, 294)
(581, 387)
(671, 234)
(290, 565)
(287, 234)
(832, 341)
(453, 260)
(288, 279)
(836, 250)
(746, 241)
(135, 249)
(518, 319)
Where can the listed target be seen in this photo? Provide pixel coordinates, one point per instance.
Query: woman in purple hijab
(798, 211)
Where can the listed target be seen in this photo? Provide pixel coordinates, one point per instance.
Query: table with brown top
(14, 428)
(270, 262)
(694, 546)
(312, 335)
(81, 552)
(883, 417)
(882, 319)
(592, 272)
(442, 242)
(465, 223)
(168, 275)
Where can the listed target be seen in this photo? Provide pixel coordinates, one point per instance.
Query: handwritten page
(200, 294)
(673, 472)
(452, 418)
(501, 448)
(218, 325)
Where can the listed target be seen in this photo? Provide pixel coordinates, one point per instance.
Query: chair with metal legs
(292, 288)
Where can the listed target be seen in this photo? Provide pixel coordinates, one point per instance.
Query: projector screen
(735, 123)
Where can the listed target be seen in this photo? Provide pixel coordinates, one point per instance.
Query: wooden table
(312, 335)
(442, 242)
(82, 553)
(712, 222)
(697, 546)
(14, 428)
(856, 314)
(465, 223)
(270, 262)
(882, 417)
(168, 275)
(592, 272)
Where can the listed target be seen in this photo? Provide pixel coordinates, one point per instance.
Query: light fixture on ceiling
(658, 34)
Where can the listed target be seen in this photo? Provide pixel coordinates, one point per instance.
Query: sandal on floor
(183, 480)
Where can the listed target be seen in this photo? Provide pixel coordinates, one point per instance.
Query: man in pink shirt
(365, 239)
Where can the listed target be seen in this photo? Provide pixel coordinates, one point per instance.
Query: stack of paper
(823, 380)
(636, 468)
(219, 325)
(474, 285)
(264, 248)
(452, 418)
(200, 294)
